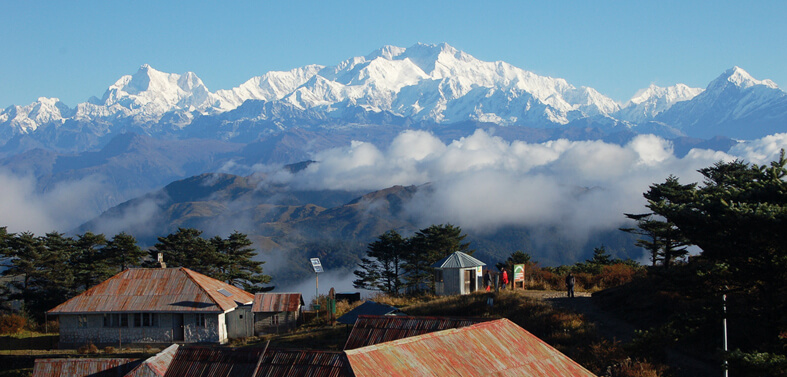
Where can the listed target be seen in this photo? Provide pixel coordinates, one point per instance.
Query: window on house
(82, 321)
(116, 320)
(438, 276)
(145, 320)
(200, 320)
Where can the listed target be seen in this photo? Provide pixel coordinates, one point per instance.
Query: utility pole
(724, 325)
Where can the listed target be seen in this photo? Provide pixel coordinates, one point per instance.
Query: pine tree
(185, 248)
(88, 262)
(122, 252)
(382, 269)
(236, 265)
(428, 246)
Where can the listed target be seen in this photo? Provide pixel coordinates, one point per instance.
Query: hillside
(289, 226)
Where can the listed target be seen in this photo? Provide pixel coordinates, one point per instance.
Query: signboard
(479, 271)
(316, 265)
(519, 273)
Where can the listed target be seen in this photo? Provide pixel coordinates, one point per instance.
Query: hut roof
(368, 308)
(93, 367)
(198, 361)
(156, 290)
(304, 363)
(458, 260)
(374, 329)
(157, 365)
(494, 348)
(276, 302)
(191, 361)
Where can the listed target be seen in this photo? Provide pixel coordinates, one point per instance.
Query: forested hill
(288, 226)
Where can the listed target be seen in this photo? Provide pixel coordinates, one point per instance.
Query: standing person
(570, 284)
(504, 277)
(487, 280)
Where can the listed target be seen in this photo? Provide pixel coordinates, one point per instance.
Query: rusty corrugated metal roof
(156, 290)
(155, 366)
(196, 361)
(276, 302)
(494, 348)
(93, 367)
(375, 329)
(284, 363)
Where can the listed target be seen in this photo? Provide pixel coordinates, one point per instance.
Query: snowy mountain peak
(675, 93)
(739, 78)
(430, 83)
(649, 102)
(386, 52)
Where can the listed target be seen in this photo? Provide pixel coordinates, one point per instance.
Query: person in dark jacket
(487, 280)
(570, 284)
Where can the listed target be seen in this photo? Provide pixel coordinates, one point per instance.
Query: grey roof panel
(458, 260)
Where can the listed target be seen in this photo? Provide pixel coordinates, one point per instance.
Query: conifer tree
(382, 269)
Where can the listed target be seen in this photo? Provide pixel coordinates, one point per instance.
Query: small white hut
(458, 274)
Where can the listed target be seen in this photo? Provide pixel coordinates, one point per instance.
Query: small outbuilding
(276, 312)
(458, 274)
(368, 308)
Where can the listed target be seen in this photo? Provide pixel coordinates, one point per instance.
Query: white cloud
(66, 205)
(761, 151)
(482, 182)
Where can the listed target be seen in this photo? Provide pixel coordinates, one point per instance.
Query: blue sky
(76, 49)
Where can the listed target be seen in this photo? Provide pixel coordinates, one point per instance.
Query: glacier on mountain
(435, 84)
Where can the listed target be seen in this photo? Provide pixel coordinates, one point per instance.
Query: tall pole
(724, 324)
(317, 290)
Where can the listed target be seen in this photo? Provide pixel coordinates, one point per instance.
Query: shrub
(109, 350)
(12, 324)
(89, 348)
(636, 368)
(616, 274)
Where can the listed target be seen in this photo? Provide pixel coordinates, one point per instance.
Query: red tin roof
(375, 329)
(93, 367)
(195, 361)
(155, 366)
(494, 348)
(156, 290)
(277, 302)
(283, 363)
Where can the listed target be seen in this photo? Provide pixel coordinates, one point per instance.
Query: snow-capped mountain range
(435, 84)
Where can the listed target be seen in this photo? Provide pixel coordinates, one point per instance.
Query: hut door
(469, 278)
(177, 327)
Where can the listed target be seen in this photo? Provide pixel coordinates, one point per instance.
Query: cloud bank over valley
(481, 182)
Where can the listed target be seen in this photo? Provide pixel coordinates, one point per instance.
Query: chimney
(161, 260)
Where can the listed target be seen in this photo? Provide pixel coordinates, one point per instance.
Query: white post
(724, 324)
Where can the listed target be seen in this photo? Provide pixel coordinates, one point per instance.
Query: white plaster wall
(95, 332)
(211, 333)
(71, 334)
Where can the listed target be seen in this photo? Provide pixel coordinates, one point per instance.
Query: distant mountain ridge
(289, 226)
(423, 86)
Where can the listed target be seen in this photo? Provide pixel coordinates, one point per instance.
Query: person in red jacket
(504, 277)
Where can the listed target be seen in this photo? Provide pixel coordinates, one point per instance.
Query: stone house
(458, 274)
(155, 306)
(276, 312)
